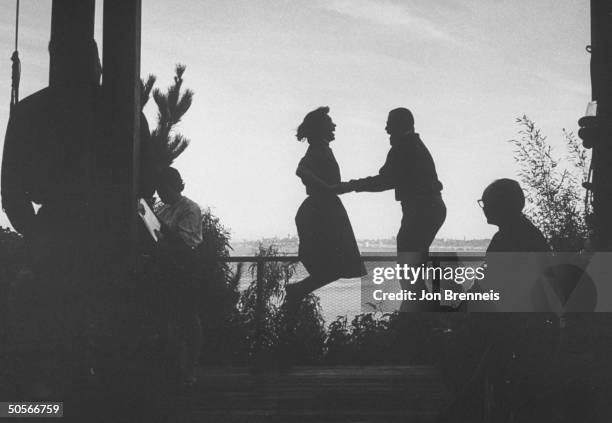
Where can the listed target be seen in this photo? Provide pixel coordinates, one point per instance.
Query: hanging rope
(16, 68)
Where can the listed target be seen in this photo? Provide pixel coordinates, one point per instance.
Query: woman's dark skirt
(328, 248)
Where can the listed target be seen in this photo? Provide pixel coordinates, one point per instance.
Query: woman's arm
(311, 180)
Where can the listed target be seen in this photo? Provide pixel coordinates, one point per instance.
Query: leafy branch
(553, 193)
(166, 144)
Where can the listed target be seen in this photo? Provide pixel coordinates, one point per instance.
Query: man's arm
(381, 182)
(15, 201)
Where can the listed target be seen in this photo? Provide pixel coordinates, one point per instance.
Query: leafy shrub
(554, 193)
(308, 335)
(220, 296)
(368, 339)
(165, 143)
(403, 338)
(268, 333)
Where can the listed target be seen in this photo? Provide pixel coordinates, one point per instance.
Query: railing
(434, 258)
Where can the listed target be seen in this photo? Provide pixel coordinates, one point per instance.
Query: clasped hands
(343, 187)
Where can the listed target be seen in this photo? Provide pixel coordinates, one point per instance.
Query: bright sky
(466, 68)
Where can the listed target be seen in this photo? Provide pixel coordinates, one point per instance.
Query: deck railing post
(435, 283)
(259, 307)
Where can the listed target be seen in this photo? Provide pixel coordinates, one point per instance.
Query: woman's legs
(297, 291)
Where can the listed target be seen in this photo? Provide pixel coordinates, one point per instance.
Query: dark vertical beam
(601, 58)
(118, 157)
(601, 81)
(72, 28)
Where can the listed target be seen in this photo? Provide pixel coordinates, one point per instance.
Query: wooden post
(601, 77)
(118, 153)
(259, 307)
(116, 171)
(435, 283)
(72, 27)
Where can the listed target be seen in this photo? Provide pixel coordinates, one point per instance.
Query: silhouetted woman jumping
(328, 249)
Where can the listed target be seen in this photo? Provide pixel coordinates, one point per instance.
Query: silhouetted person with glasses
(502, 203)
(411, 172)
(513, 244)
(510, 260)
(328, 249)
(511, 269)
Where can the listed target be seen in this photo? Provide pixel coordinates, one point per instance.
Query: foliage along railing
(436, 259)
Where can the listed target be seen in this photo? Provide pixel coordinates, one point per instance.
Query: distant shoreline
(289, 246)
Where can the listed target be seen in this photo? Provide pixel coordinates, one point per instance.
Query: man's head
(400, 121)
(502, 201)
(169, 185)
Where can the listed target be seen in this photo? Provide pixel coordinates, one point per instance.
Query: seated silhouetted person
(510, 264)
(512, 269)
(181, 234)
(503, 202)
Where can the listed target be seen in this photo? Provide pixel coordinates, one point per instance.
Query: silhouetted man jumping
(411, 172)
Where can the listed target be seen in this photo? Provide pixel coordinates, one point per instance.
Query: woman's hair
(311, 125)
(170, 176)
